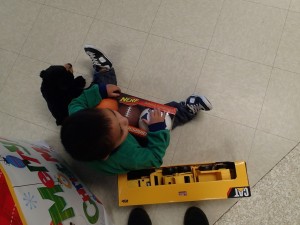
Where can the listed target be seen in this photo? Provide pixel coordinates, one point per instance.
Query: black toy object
(59, 87)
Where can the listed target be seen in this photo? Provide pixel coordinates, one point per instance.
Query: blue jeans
(109, 77)
(105, 77)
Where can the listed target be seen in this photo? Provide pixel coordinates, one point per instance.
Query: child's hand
(112, 90)
(156, 116)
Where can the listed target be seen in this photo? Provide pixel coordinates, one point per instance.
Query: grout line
(27, 121)
(142, 51)
(262, 178)
(200, 72)
(298, 73)
(251, 146)
(33, 24)
(217, 22)
(259, 3)
(276, 164)
(19, 53)
(88, 31)
(66, 9)
(283, 29)
(240, 58)
(9, 73)
(116, 24)
(244, 125)
(207, 49)
(264, 98)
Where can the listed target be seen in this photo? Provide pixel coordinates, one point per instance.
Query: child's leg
(182, 115)
(189, 108)
(105, 76)
(103, 71)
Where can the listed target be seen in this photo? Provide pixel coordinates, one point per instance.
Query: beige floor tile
(267, 150)
(123, 46)
(168, 158)
(167, 69)
(283, 4)
(288, 53)
(18, 129)
(191, 22)
(38, 1)
(236, 88)
(208, 139)
(17, 18)
(51, 125)
(280, 112)
(274, 200)
(7, 60)
(56, 36)
(137, 14)
(87, 7)
(295, 5)
(216, 208)
(249, 30)
(53, 140)
(6, 122)
(21, 96)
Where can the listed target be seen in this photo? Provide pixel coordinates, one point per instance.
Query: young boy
(100, 136)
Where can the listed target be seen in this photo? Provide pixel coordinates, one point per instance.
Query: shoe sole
(106, 58)
(205, 101)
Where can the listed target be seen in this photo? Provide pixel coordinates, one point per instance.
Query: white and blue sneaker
(99, 60)
(195, 103)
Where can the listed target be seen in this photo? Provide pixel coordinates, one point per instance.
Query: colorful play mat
(37, 187)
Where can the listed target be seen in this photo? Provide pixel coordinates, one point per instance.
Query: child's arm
(109, 90)
(88, 99)
(149, 156)
(113, 91)
(131, 156)
(158, 140)
(156, 121)
(92, 96)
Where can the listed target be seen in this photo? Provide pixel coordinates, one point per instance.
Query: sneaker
(195, 216)
(195, 103)
(98, 58)
(139, 216)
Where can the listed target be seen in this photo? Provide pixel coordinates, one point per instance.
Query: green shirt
(130, 155)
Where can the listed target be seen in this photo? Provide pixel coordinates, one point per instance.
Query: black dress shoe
(195, 216)
(139, 216)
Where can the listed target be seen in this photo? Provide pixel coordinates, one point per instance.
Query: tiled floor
(244, 55)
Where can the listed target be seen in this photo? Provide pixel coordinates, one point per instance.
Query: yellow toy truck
(182, 183)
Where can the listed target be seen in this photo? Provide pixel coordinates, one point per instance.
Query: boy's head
(93, 134)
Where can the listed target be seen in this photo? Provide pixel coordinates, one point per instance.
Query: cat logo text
(239, 192)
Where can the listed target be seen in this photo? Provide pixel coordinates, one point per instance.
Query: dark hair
(86, 135)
